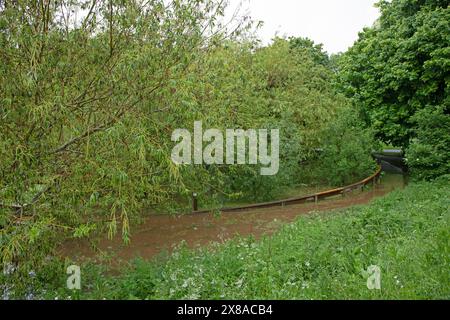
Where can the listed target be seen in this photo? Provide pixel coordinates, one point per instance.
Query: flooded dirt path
(162, 232)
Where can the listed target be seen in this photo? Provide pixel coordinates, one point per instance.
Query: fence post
(194, 202)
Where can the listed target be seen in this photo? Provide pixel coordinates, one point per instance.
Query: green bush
(346, 155)
(428, 155)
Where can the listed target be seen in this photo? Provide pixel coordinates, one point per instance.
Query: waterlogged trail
(163, 233)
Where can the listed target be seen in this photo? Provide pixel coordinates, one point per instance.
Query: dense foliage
(88, 104)
(399, 67)
(318, 257)
(346, 153)
(428, 155)
(91, 91)
(78, 100)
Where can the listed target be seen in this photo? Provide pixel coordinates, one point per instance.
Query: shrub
(347, 147)
(429, 153)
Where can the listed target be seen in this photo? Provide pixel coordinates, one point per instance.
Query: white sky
(334, 23)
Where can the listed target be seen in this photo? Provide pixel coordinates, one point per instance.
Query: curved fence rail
(313, 197)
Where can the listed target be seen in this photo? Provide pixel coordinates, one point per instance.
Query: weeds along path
(162, 233)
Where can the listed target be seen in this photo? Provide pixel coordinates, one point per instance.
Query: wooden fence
(373, 179)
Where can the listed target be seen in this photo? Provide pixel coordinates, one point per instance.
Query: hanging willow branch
(21, 207)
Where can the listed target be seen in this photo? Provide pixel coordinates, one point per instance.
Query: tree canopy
(400, 66)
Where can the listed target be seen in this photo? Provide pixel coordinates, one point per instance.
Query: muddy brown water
(161, 233)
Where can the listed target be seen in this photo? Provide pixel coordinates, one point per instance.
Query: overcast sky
(334, 23)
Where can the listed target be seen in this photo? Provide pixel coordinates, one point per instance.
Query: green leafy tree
(400, 66)
(315, 51)
(83, 107)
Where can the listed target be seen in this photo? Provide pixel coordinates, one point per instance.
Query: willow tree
(84, 90)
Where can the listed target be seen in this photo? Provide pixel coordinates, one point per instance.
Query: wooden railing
(298, 200)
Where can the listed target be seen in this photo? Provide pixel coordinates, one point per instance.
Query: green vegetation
(346, 153)
(88, 106)
(397, 73)
(400, 66)
(428, 155)
(322, 256)
(87, 111)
